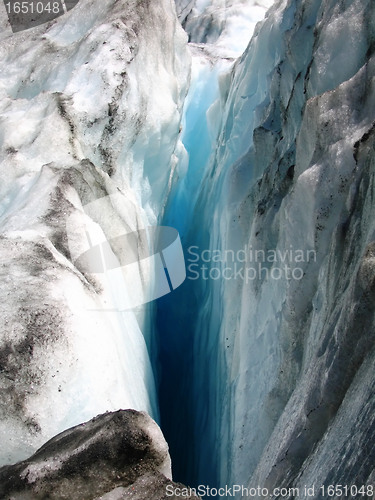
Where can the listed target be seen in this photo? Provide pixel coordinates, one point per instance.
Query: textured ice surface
(275, 376)
(123, 450)
(62, 358)
(226, 24)
(90, 108)
(277, 362)
(180, 352)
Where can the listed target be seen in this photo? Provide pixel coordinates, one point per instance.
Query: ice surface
(184, 353)
(84, 361)
(228, 25)
(90, 110)
(264, 376)
(273, 360)
(123, 450)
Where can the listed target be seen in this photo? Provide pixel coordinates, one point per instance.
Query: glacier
(271, 365)
(144, 471)
(260, 153)
(80, 124)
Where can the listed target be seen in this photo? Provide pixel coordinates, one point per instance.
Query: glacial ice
(90, 110)
(212, 64)
(276, 362)
(228, 25)
(62, 466)
(271, 380)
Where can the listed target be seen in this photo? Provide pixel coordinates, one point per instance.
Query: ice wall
(280, 370)
(90, 108)
(264, 380)
(207, 21)
(186, 368)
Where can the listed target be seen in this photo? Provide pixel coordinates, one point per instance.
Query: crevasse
(263, 380)
(270, 364)
(188, 380)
